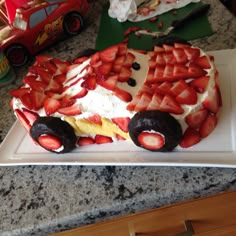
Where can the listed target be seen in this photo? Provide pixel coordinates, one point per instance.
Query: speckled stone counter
(39, 200)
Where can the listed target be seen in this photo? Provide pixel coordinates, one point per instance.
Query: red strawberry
(51, 105)
(180, 72)
(213, 101)
(190, 138)
(164, 88)
(49, 142)
(168, 48)
(180, 55)
(117, 65)
(80, 60)
(61, 65)
(121, 122)
(104, 69)
(155, 103)
(26, 101)
(152, 63)
(61, 78)
(17, 93)
(191, 53)
(96, 118)
(119, 137)
(42, 58)
(109, 83)
(44, 75)
(122, 94)
(169, 104)
(151, 141)
(187, 96)
(55, 86)
(109, 54)
(203, 62)
(89, 83)
(70, 111)
(181, 45)
(158, 49)
(37, 85)
(178, 87)
(28, 78)
(160, 59)
(168, 72)
(84, 141)
(159, 73)
(129, 59)
(195, 119)
(83, 92)
(50, 66)
(124, 74)
(122, 49)
(67, 100)
(195, 71)
(101, 139)
(208, 125)
(169, 58)
(23, 120)
(37, 99)
(94, 58)
(200, 84)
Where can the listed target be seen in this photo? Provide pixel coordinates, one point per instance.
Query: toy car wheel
(73, 23)
(17, 55)
(53, 134)
(155, 131)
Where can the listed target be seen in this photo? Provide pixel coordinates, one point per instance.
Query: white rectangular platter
(217, 150)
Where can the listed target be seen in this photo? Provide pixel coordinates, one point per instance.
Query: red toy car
(38, 24)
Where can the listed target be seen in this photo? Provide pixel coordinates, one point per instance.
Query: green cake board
(111, 31)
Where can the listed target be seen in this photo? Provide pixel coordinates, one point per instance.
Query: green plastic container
(7, 74)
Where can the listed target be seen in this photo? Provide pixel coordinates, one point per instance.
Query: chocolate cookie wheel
(53, 134)
(155, 131)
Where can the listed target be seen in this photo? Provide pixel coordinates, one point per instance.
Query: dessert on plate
(156, 99)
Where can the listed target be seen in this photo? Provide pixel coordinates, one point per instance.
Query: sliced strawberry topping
(18, 93)
(155, 103)
(67, 100)
(169, 58)
(159, 73)
(61, 78)
(151, 140)
(200, 84)
(190, 138)
(89, 83)
(94, 58)
(208, 125)
(26, 101)
(178, 87)
(28, 78)
(109, 83)
(122, 49)
(164, 88)
(187, 96)
(121, 122)
(160, 59)
(70, 111)
(23, 120)
(118, 63)
(96, 118)
(213, 101)
(203, 62)
(109, 54)
(49, 142)
(169, 104)
(51, 105)
(195, 71)
(191, 53)
(180, 72)
(195, 119)
(61, 65)
(104, 69)
(37, 99)
(101, 139)
(168, 72)
(37, 85)
(55, 86)
(125, 74)
(122, 94)
(129, 60)
(84, 141)
(81, 93)
(180, 55)
(44, 75)
(31, 116)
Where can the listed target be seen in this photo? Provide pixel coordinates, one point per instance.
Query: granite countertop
(39, 200)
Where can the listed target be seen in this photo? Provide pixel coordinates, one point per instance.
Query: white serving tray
(217, 150)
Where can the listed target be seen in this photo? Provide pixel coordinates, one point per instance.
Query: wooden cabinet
(209, 216)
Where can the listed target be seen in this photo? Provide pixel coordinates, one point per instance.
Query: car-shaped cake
(38, 24)
(156, 99)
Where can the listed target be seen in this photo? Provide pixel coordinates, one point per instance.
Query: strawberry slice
(51, 105)
(169, 58)
(37, 85)
(155, 103)
(37, 99)
(121, 122)
(151, 141)
(26, 101)
(169, 104)
(124, 74)
(49, 142)
(164, 88)
(213, 100)
(67, 100)
(82, 92)
(122, 49)
(129, 60)
(96, 118)
(84, 141)
(44, 75)
(168, 72)
(195, 71)
(55, 86)
(180, 55)
(118, 63)
(168, 48)
(195, 119)
(190, 138)
(178, 87)
(101, 139)
(110, 83)
(23, 120)
(50, 66)
(18, 93)
(203, 62)
(159, 73)
(30, 115)
(200, 84)
(122, 94)
(160, 59)
(42, 58)
(191, 53)
(181, 45)
(60, 78)
(187, 96)
(89, 83)
(104, 69)
(144, 101)
(70, 111)
(158, 49)
(28, 78)
(208, 125)
(109, 54)
(61, 65)
(180, 72)
(94, 58)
